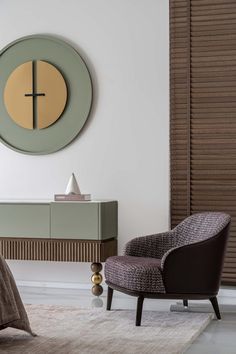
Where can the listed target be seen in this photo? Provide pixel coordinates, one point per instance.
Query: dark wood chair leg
(185, 303)
(109, 298)
(215, 306)
(139, 310)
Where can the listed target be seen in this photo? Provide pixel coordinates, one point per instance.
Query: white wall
(123, 152)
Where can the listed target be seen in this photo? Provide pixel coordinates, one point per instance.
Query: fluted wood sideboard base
(59, 250)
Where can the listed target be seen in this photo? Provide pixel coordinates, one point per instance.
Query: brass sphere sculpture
(96, 279)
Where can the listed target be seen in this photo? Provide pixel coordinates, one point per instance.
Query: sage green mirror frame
(79, 88)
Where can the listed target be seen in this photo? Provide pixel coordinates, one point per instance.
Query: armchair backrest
(200, 227)
(195, 263)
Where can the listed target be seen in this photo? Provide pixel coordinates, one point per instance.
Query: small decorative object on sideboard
(72, 192)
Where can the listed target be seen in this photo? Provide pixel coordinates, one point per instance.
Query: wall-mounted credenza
(60, 231)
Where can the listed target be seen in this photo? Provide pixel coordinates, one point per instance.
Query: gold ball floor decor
(96, 279)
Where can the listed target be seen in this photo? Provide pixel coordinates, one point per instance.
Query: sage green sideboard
(94, 220)
(60, 231)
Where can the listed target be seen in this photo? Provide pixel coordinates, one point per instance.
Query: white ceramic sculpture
(72, 186)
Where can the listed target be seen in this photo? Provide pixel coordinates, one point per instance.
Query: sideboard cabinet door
(84, 220)
(25, 220)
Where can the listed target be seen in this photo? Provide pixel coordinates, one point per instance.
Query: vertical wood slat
(189, 108)
(179, 110)
(57, 250)
(209, 94)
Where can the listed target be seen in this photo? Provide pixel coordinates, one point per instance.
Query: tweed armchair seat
(135, 273)
(184, 263)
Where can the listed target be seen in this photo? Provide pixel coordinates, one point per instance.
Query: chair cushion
(135, 273)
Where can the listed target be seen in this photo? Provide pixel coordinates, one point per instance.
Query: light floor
(218, 338)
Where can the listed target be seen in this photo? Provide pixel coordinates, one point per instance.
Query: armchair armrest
(153, 246)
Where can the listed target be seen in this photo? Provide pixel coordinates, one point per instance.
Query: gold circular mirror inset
(35, 95)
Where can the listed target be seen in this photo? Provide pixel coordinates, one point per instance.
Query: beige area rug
(71, 330)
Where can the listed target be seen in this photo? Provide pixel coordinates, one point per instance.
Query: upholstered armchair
(185, 263)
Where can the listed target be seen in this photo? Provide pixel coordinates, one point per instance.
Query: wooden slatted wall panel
(203, 113)
(179, 72)
(213, 114)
